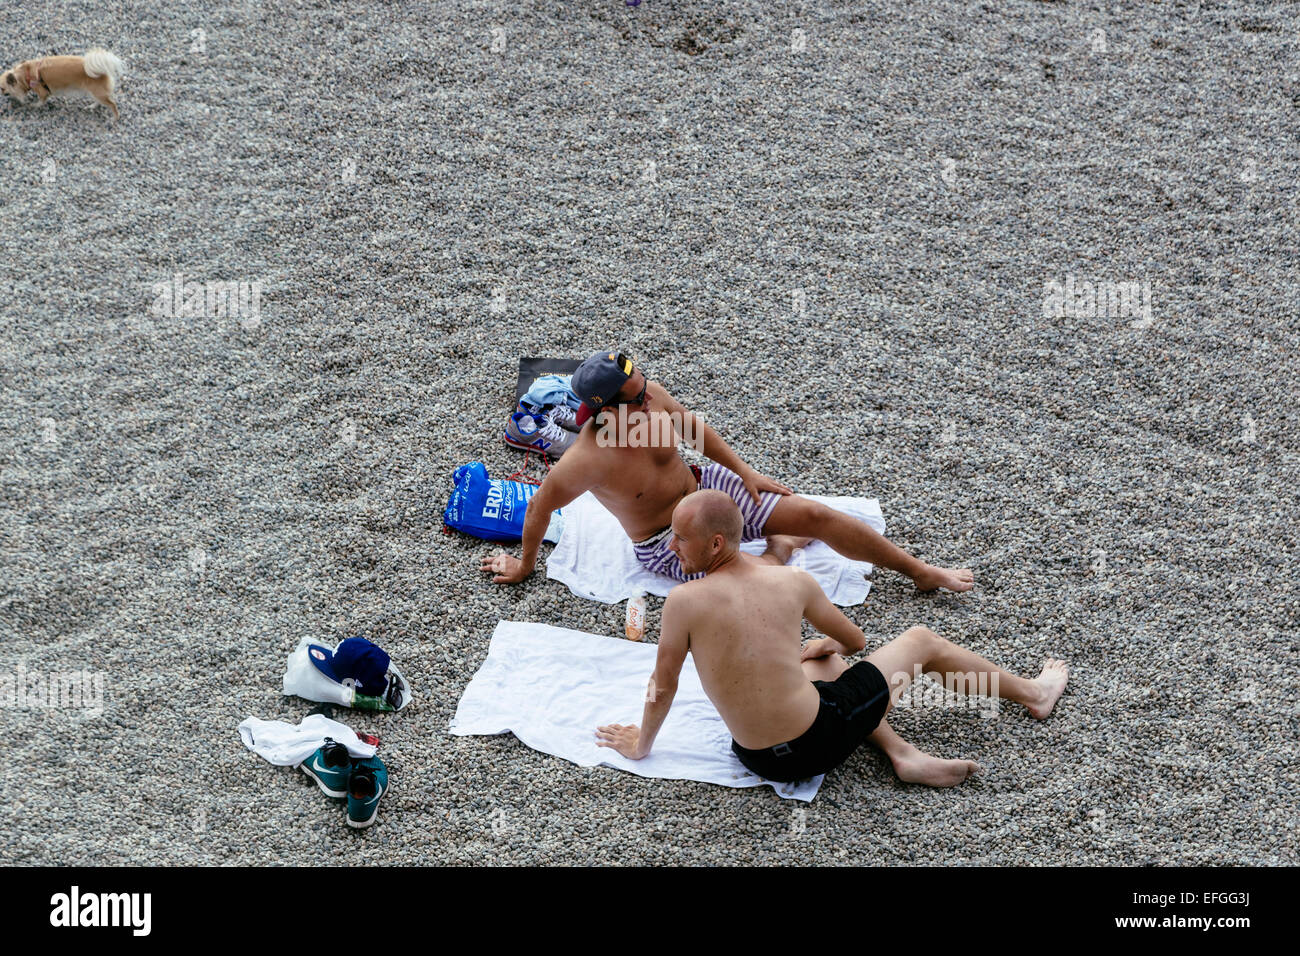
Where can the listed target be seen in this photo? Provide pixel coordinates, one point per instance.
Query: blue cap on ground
(356, 661)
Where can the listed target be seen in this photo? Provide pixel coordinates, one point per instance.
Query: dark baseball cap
(356, 661)
(597, 381)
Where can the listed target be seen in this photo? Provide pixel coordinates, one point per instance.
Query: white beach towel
(595, 557)
(552, 687)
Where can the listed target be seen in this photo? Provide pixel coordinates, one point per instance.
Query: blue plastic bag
(489, 508)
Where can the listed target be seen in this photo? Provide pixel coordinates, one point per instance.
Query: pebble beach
(1024, 272)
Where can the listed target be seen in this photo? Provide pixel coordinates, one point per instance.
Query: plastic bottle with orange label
(635, 626)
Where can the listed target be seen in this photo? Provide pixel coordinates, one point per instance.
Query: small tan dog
(96, 73)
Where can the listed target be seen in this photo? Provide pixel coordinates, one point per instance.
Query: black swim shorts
(852, 707)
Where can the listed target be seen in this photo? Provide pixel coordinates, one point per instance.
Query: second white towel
(552, 687)
(595, 557)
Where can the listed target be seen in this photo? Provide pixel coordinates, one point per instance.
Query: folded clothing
(552, 687)
(597, 560)
(550, 390)
(286, 745)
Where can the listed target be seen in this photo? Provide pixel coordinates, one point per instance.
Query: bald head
(712, 512)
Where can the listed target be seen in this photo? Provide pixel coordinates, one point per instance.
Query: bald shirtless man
(794, 714)
(637, 473)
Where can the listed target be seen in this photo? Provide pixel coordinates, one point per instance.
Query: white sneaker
(564, 416)
(537, 433)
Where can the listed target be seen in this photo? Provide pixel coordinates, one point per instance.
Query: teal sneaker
(330, 766)
(367, 784)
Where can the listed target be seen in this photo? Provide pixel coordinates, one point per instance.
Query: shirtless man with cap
(640, 477)
(794, 714)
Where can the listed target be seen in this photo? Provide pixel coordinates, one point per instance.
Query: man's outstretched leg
(959, 669)
(919, 648)
(796, 515)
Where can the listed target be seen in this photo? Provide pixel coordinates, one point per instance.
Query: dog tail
(98, 62)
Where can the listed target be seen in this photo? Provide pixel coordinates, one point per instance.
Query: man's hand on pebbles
(507, 568)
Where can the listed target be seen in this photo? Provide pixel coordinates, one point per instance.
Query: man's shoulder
(781, 583)
(589, 444)
(688, 595)
(686, 591)
(585, 452)
(657, 390)
(785, 573)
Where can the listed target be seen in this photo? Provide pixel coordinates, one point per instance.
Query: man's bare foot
(920, 767)
(934, 577)
(781, 546)
(1050, 684)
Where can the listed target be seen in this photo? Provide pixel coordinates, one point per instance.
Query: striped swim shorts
(653, 552)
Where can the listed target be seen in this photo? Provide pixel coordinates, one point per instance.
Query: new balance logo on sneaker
(537, 433)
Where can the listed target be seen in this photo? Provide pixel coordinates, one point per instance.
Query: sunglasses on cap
(645, 382)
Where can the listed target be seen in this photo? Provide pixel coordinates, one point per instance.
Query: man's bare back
(744, 624)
